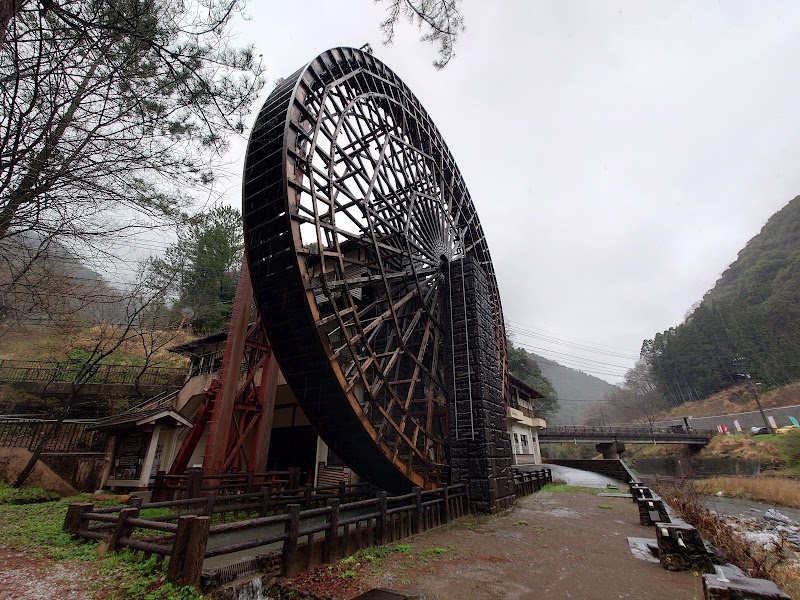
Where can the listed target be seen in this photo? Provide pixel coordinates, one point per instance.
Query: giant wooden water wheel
(354, 210)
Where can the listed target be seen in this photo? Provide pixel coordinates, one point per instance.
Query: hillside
(746, 326)
(733, 400)
(576, 390)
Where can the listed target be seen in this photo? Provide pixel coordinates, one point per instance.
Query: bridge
(610, 441)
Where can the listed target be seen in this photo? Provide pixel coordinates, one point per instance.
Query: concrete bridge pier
(611, 450)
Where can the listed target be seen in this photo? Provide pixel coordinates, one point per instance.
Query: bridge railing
(610, 432)
(12, 371)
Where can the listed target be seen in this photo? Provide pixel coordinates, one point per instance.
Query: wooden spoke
(353, 207)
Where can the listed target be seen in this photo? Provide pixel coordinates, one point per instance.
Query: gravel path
(551, 545)
(26, 578)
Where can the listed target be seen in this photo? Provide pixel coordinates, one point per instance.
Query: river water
(735, 507)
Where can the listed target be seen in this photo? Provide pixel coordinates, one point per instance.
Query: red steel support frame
(235, 409)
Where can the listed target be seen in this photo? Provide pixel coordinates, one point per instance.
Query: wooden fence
(72, 436)
(195, 483)
(312, 528)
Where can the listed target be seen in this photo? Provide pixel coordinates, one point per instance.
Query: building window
(524, 444)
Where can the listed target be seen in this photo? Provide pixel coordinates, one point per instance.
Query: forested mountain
(568, 393)
(746, 326)
(577, 391)
(524, 367)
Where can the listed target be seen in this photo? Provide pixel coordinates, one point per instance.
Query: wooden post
(292, 528)
(158, 486)
(122, 528)
(249, 484)
(332, 532)
(416, 516)
(135, 501)
(208, 510)
(265, 500)
(380, 522)
(194, 482)
(307, 497)
(196, 552)
(76, 513)
(294, 478)
(179, 548)
(446, 505)
(342, 491)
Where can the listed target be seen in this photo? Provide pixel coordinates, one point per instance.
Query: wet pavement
(576, 477)
(550, 545)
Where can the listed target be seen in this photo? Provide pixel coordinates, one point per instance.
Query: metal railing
(73, 435)
(624, 432)
(12, 371)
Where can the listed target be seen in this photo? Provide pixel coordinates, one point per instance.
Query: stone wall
(479, 445)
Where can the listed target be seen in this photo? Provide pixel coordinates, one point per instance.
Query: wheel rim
(354, 209)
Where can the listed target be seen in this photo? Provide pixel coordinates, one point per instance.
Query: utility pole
(739, 362)
(752, 386)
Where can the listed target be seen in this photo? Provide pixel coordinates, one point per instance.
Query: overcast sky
(619, 154)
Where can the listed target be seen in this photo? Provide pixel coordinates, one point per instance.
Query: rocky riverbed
(767, 527)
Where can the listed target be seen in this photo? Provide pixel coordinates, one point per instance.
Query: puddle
(644, 548)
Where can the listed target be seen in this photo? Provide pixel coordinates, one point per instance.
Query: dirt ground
(551, 545)
(26, 578)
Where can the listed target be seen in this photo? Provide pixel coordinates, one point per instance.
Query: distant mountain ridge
(745, 328)
(576, 390)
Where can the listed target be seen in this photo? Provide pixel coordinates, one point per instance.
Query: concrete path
(576, 477)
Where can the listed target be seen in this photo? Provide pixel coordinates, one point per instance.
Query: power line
(530, 330)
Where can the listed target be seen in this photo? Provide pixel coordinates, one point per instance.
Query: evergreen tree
(746, 327)
(205, 264)
(524, 368)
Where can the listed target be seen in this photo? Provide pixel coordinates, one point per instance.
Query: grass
(558, 488)
(520, 523)
(72, 340)
(774, 564)
(775, 490)
(605, 506)
(733, 400)
(25, 495)
(36, 529)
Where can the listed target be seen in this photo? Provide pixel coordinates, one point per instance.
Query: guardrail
(320, 529)
(12, 371)
(72, 436)
(612, 432)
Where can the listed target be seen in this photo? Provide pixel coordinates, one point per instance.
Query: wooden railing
(66, 372)
(194, 483)
(315, 527)
(72, 436)
(530, 482)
